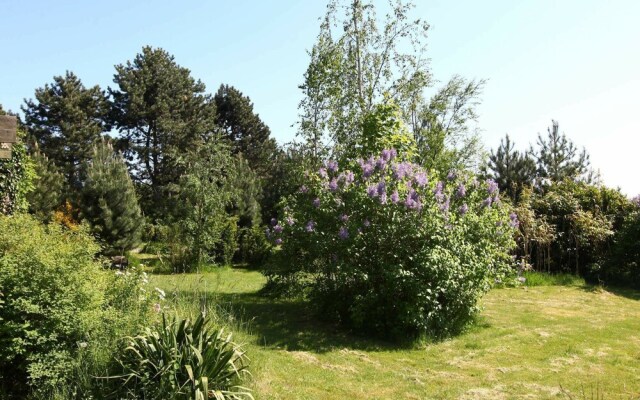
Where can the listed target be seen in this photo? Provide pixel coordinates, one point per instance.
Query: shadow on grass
(618, 291)
(291, 325)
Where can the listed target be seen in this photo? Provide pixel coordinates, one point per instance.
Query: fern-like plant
(183, 359)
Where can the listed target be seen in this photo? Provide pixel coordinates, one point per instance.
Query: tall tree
(511, 169)
(248, 134)
(66, 120)
(443, 127)
(16, 176)
(162, 113)
(558, 158)
(356, 64)
(109, 201)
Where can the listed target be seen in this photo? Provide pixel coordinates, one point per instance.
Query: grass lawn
(566, 342)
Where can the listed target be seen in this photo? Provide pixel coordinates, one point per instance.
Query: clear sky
(576, 61)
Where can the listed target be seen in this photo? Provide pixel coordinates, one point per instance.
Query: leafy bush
(182, 359)
(52, 294)
(228, 244)
(622, 267)
(386, 248)
(254, 246)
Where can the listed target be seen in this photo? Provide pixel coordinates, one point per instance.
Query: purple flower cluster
(333, 185)
(463, 209)
(316, 202)
(343, 233)
(513, 220)
(395, 197)
(344, 218)
(323, 173)
(412, 202)
(437, 192)
(304, 189)
(290, 220)
(461, 191)
(310, 227)
(346, 178)
(451, 176)
(332, 166)
(492, 186)
(401, 170)
(278, 228)
(421, 178)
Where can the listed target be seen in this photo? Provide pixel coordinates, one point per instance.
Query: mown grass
(538, 342)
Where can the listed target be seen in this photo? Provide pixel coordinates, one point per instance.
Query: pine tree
(66, 120)
(109, 201)
(162, 113)
(511, 169)
(248, 134)
(46, 195)
(558, 158)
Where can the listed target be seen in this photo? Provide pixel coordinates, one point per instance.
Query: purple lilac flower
(344, 233)
(412, 201)
(267, 233)
(636, 200)
(278, 241)
(492, 186)
(513, 217)
(310, 227)
(487, 202)
(304, 189)
(274, 222)
(367, 170)
(400, 170)
(316, 202)
(444, 207)
(347, 177)
(333, 185)
(463, 209)
(461, 192)
(366, 223)
(344, 218)
(496, 200)
(421, 178)
(395, 197)
(438, 191)
(381, 188)
(278, 228)
(372, 191)
(383, 198)
(290, 220)
(393, 152)
(386, 155)
(381, 163)
(332, 166)
(323, 173)
(451, 175)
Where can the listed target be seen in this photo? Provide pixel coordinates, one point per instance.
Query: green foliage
(205, 192)
(622, 267)
(66, 120)
(533, 278)
(162, 113)
(389, 253)
(52, 294)
(558, 158)
(254, 248)
(182, 359)
(442, 127)
(48, 183)
(355, 64)
(246, 186)
(16, 179)
(512, 170)
(383, 128)
(109, 201)
(228, 245)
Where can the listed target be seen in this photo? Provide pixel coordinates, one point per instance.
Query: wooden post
(8, 129)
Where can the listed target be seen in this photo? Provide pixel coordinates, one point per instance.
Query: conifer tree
(48, 183)
(162, 113)
(511, 169)
(109, 201)
(558, 158)
(66, 120)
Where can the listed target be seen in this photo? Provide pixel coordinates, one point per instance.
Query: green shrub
(254, 246)
(52, 299)
(182, 359)
(388, 249)
(228, 244)
(533, 278)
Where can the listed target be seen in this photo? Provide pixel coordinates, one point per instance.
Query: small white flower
(83, 345)
(161, 293)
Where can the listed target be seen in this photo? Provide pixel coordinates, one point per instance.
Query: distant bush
(254, 246)
(182, 359)
(532, 278)
(388, 249)
(622, 267)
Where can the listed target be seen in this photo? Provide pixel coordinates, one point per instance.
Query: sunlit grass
(534, 342)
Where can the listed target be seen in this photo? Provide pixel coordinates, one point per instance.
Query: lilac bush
(386, 247)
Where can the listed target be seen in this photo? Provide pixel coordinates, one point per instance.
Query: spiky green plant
(183, 359)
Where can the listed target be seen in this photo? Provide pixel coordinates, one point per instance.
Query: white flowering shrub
(385, 247)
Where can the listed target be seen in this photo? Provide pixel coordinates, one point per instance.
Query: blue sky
(574, 61)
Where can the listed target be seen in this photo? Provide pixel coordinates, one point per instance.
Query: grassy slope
(529, 343)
